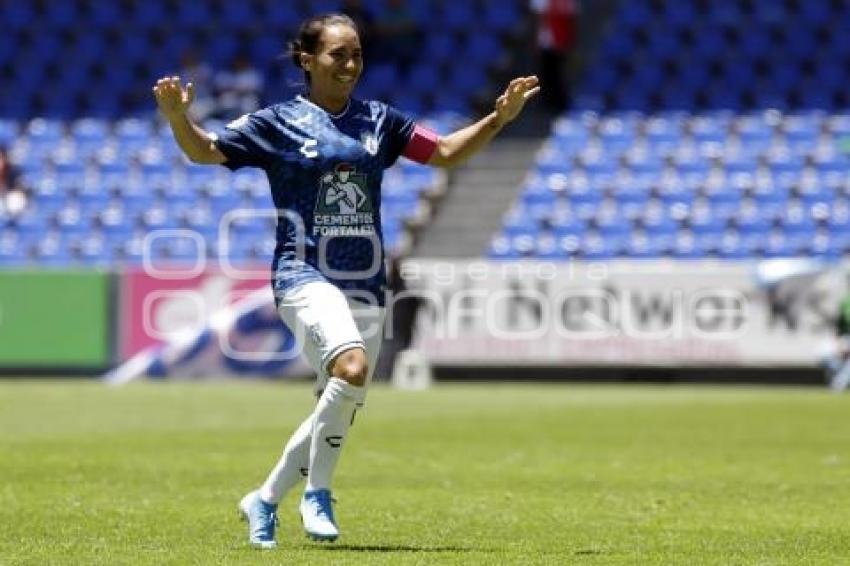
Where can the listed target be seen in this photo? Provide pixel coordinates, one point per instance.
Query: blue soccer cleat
(317, 515)
(262, 520)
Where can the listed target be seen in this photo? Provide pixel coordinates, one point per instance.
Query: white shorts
(326, 323)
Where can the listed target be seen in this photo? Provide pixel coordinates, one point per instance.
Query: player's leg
(292, 466)
(262, 520)
(259, 507)
(841, 378)
(349, 374)
(344, 389)
(331, 421)
(370, 324)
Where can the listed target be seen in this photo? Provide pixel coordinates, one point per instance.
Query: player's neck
(331, 104)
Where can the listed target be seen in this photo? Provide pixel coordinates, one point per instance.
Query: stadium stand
(98, 187)
(700, 129)
(104, 172)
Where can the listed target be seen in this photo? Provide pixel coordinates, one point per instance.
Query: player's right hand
(173, 100)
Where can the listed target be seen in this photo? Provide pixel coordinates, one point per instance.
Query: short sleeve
(248, 141)
(399, 130)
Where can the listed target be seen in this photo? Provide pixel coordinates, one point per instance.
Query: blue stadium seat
(735, 247)
(479, 49)
(422, 77)
(595, 247)
(727, 195)
(672, 193)
(523, 245)
(777, 245)
(280, 15)
(113, 218)
(566, 225)
(381, 79)
(687, 246)
(8, 132)
(17, 15)
(71, 220)
(452, 101)
(659, 223)
(52, 250)
(410, 102)
(500, 248)
(707, 231)
(70, 176)
(546, 247)
(827, 246)
(632, 193)
(40, 130)
(466, 81)
(92, 250)
(833, 171)
(517, 224)
(501, 16)
(12, 252)
(458, 15)
(753, 224)
(31, 222)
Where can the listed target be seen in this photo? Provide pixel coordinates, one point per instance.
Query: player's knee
(354, 372)
(351, 366)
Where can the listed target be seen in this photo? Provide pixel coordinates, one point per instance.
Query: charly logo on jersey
(343, 207)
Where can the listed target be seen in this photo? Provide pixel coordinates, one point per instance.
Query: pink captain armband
(422, 144)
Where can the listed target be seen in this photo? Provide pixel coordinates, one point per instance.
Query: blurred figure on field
(398, 35)
(838, 365)
(13, 194)
(200, 74)
(238, 89)
(557, 36)
(365, 21)
(401, 319)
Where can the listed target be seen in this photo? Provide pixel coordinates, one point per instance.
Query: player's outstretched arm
(459, 146)
(174, 101)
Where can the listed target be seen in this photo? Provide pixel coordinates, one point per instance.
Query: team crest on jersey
(370, 142)
(343, 206)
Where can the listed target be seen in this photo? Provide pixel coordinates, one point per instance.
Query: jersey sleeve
(248, 141)
(407, 138)
(399, 128)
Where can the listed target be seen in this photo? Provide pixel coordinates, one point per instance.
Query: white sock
(292, 466)
(331, 420)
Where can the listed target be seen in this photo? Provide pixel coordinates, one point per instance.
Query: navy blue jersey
(325, 175)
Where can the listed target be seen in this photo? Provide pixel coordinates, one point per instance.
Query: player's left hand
(511, 102)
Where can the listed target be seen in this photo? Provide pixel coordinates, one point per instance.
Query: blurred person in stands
(324, 153)
(13, 193)
(238, 89)
(398, 35)
(557, 36)
(200, 74)
(364, 19)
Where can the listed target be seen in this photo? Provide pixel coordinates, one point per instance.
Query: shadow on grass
(395, 548)
(588, 552)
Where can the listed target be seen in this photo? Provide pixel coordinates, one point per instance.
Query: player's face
(336, 66)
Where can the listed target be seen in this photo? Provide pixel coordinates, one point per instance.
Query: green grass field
(484, 474)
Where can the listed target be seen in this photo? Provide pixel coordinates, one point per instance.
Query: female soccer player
(324, 153)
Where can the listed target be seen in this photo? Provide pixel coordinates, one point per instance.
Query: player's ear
(306, 61)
